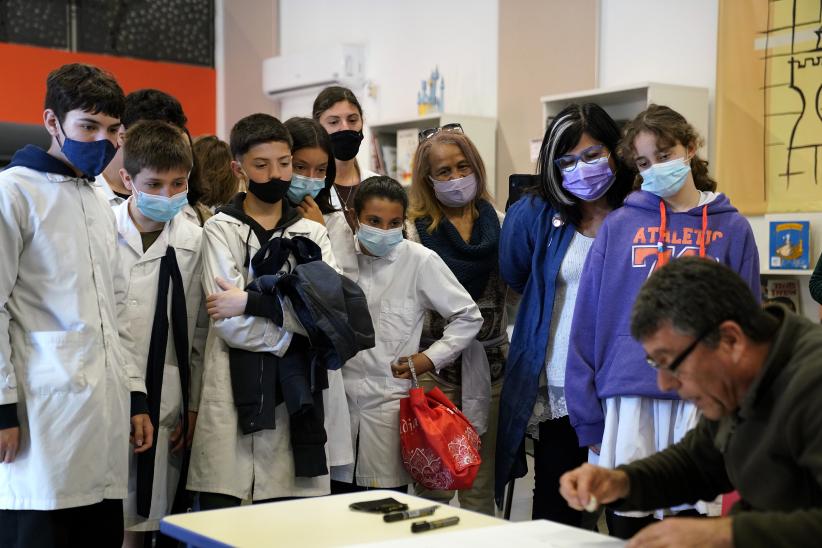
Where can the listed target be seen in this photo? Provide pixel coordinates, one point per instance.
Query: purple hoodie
(603, 359)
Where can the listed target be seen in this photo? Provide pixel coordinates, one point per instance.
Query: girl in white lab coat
(148, 225)
(312, 188)
(228, 466)
(312, 177)
(402, 280)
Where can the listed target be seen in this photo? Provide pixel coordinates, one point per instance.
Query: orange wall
(24, 70)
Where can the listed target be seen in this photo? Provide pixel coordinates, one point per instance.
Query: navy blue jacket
(332, 309)
(531, 252)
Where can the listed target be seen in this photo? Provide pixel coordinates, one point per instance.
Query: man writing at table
(756, 375)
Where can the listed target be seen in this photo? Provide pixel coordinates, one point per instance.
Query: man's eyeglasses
(590, 155)
(676, 362)
(448, 128)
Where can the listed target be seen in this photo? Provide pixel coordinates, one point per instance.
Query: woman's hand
(422, 364)
(309, 209)
(228, 303)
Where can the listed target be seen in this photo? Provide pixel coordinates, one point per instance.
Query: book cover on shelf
(781, 290)
(407, 141)
(389, 155)
(377, 163)
(790, 245)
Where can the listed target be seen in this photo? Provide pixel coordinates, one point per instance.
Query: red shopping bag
(440, 448)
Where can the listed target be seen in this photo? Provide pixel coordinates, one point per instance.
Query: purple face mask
(456, 192)
(589, 182)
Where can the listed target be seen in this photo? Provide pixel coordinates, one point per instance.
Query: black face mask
(345, 144)
(270, 192)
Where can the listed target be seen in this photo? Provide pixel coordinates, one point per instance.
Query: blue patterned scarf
(471, 262)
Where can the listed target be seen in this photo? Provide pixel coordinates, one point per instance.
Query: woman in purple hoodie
(613, 399)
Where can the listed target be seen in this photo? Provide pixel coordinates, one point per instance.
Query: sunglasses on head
(448, 128)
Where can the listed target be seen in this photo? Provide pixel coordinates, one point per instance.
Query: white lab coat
(341, 235)
(140, 272)
(193, 213)
(61, 357)
(223, 459)
(101, 184)
(342, 243)
(400, 287)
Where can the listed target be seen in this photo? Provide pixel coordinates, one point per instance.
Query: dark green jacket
(770, 450)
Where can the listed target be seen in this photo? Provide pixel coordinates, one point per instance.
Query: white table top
(318, 521)
(522, 534)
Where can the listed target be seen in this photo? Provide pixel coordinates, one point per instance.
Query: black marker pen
(410, 514)
(421, 526)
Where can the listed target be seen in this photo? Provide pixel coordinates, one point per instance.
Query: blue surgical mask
(90, 158)
(667, 178)
(304, 186)
(379, 242)
(160, 208)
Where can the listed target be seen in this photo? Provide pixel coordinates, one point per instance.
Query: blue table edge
(189, 537)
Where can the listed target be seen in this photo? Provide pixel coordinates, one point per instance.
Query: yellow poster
(768, 103)
(793, 113)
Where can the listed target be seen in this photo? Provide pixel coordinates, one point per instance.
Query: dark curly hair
(670, 128)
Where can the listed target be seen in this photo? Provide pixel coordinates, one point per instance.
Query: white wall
(404, 42)
(670, 41)
(245, 34)
(667, 41)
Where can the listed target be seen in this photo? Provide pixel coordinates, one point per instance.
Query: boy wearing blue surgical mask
(67, 384)
(614, 402)
(161, 272)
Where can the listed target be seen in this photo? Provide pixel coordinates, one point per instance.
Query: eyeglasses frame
(578, 157)
(682, 356)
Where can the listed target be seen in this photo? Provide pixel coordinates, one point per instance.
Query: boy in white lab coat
(401, 280)
(162, 275)
(227, 465)
(143, 104)
(67, 384)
